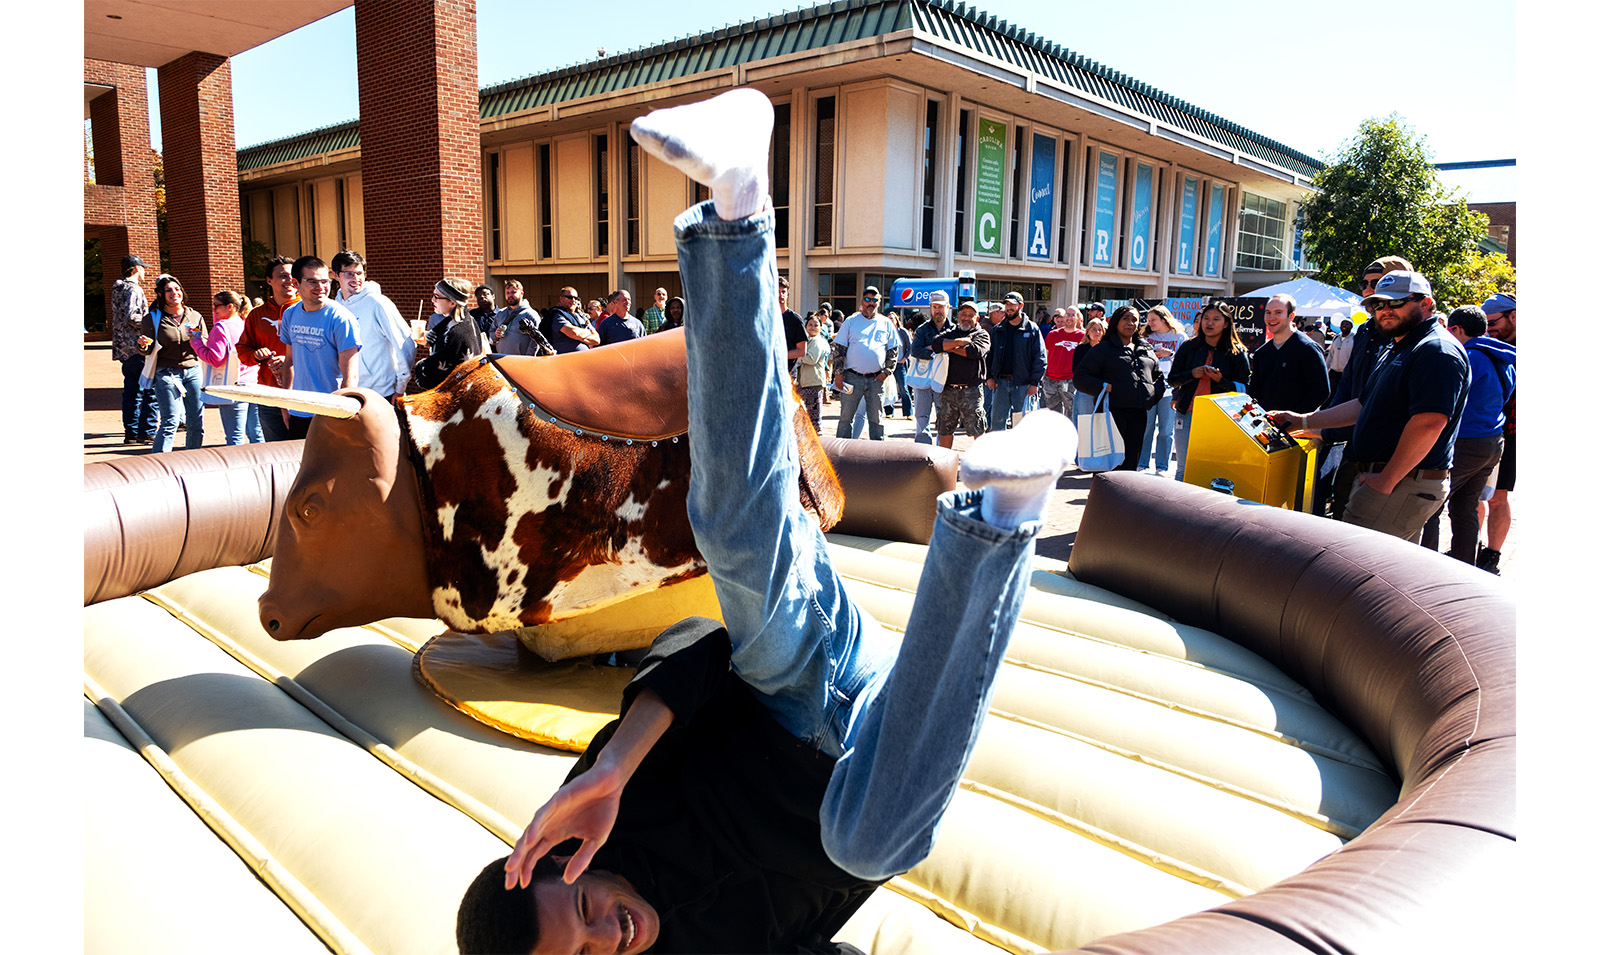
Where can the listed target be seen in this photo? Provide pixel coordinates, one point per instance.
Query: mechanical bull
(521, 491)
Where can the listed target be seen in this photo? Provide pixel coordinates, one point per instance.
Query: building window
(702, 192)
(245, 232)
(780, 175)
(930, 146)
(602, 197)
(1108, 294)
(544, 202)
(1019, 194)
(632, 247)
(838, 289)
(1262, 224)
(494, 207)
(822, 211)
(961, 180)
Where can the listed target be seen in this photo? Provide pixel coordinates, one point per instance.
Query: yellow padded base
(1131, 770)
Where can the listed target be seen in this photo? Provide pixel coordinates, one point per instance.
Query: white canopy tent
(1313, 298)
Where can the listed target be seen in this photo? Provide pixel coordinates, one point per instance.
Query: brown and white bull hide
(524, 520)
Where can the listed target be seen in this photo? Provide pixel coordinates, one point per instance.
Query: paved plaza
(102, 441)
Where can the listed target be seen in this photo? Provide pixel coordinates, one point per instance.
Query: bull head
(348, 546)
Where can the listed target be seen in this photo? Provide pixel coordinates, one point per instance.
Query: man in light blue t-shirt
(321, 337)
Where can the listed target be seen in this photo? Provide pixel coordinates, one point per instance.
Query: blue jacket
(1017, 352)
(1494, 377)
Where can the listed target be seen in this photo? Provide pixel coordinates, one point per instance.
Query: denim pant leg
(1180, 441)
(233, 421)
(273, 427)
(1150, 424)
(195, 435)
(1165, 418)
(999, 411)
(923, 401)
(252, 423)
(798, 641)
(848, 405)
(900, 387)
(138, 404)
(911, 734)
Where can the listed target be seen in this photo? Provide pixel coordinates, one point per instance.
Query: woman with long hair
(813, 373)
(1124, 365)
(453, 339)
(1213, 361)
(1165, 334)
(169, 336)
(1092, 334)
(241, 421)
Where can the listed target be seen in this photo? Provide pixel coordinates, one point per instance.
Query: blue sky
(1297, 73)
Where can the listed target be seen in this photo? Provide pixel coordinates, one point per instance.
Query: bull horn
(312, 402)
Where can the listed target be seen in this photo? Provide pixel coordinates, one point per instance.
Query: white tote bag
(1099, 442)
(928, 372)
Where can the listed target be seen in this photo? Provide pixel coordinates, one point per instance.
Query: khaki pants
(1402, 512)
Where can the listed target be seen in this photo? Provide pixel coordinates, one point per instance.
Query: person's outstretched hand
(585, 808)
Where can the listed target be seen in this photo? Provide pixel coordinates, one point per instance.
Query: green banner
(989, 194)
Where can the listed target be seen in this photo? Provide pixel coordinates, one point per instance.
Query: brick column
(202, 176)
(417, 69)
(119, 207)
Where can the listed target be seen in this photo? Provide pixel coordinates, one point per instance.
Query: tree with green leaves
(1382, 196)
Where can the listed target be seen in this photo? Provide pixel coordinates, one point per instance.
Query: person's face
(1095, 313)
(996, 315)
(513, 296)
(661, 296)
(1398, 317)
(1013, 310)
(282, 282)
(675, 310)
(940, 312)
(485, 298)
(594, 309)
(869, 304)
(442, 305)
(568, 299)
(1128, 325)
(172, 298)
(783, 297)
(1277, 316)
(1346, 327)
(967, 319)
(621, 304)
(1503, 325)
(1158, 324)
(352, 278)
(1094, 332)
(314, 285)
(221, 311)
(1072, 320)
(1212, 324)
(1368, 283)
(601, 912)
(813, 327)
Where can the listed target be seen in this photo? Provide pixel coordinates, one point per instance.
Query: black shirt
(1426, 371)
(719, 828)
(1289, 377)
(969, 365)
(1132, 371)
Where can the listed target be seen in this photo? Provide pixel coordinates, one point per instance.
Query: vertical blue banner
(1214, 231)
(1186, 224)
(1105, 209)
(1139, 231)
(1041, 195)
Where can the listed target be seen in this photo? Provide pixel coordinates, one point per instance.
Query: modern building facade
(913, 138)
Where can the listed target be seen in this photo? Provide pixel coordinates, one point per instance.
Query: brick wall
(1501, 214)
(202, 176)
(417, 64)
(119, 209)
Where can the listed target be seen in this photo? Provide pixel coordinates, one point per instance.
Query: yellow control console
(1231, 438)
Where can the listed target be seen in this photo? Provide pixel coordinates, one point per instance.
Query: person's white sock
(1018, 468)
(721, 142)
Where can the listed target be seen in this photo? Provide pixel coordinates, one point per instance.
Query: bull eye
(310, 510)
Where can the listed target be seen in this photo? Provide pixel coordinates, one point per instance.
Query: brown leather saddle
(637, 389)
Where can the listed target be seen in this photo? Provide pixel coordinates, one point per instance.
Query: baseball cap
(132, 262)
(939, 298)
(1095, 307)
(1400, 284)
(871, 290)
(1013, 296)
(1498, 302)
(483, 288)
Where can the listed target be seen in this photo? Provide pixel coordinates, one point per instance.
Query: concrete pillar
(201, 171)
(421, 173)
(119, 207)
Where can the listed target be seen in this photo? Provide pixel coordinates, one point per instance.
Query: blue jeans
(178, 396)
(901, 725)
(241, 422)
(926, 401)
(1081, 404)
(900, 387)
(1181, 426)
(138, 404)
(1008, 399)
(862, 388)
(1158, 425)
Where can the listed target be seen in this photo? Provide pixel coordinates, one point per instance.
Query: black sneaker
(1489, 560)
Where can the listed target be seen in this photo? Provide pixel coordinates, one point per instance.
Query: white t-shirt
(866, 343)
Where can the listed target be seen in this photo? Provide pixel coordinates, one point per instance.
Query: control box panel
(1251, 418)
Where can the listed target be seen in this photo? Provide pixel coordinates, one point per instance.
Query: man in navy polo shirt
(1407, 416)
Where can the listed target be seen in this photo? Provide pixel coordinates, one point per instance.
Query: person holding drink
(177, 378)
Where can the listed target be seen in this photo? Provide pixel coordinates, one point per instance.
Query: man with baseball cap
(960, 405)
(1500, 310)
(1407, 415)
(925, 401)
(1016, 363)
(864, 352)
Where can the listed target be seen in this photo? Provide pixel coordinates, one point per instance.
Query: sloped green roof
(815, 28)
(314, 142)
